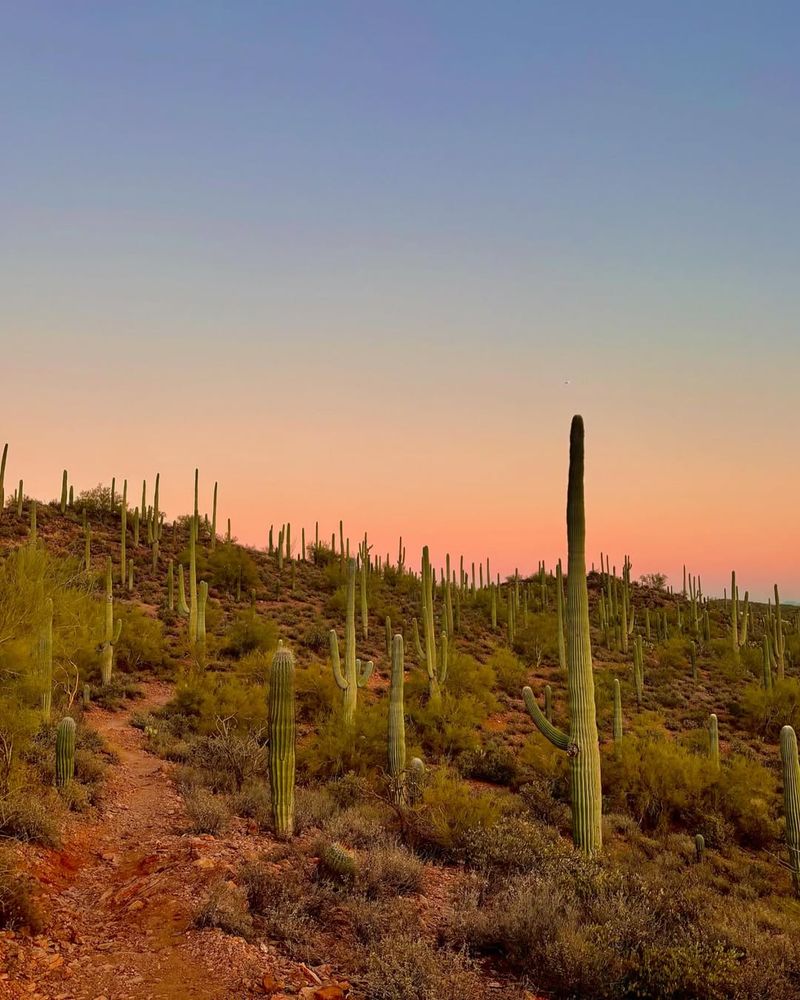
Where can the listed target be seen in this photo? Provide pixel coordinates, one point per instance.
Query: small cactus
(337, 863)
(415, 781)
(713, 740)
(65, 751)
(699, 847)
(282, 733)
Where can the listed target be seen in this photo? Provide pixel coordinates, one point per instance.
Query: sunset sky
(365, 260)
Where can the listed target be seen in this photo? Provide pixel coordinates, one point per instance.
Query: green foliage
(249, 633)
(765, 712)
(226, 568)
(141, 643)
(509, 670)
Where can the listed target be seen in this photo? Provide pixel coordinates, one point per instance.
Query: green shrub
(19, 906)
(249, 633)
(492, 763)
(226, 908)
(206, 812)
(510, 672)
(409, 968)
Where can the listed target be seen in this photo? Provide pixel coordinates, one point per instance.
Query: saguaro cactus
(581, 743)
(46, 659)
(397, 722)
(354, 676)
(201, 622)
(282, 742)
(415, 781)
(183, 607)
(436, 672)
(791, 801)
(713, 740)
(699, 847)
(2, 477)
(193, 576)
(112, 631)
(123, 524)
(617, 717)
(65, 751)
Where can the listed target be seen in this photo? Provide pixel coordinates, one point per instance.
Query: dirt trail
(121, 895)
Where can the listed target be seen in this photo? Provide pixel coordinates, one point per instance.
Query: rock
(270, 984)
(329, 993)
(137, 904)
(205, 863)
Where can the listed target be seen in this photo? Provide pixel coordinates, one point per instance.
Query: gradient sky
(344, 256)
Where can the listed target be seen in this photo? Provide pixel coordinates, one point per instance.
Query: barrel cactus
(337, 863)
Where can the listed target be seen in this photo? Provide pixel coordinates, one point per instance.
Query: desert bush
(253, 801)
(249, 633)
(450, 812)
(361, 825)
(207, 813)
(231, 755)
(765, 712)
(227, 567)
(19, 906)
(509, 670)
(30, 817)
(141, 642)
(492, 763)
(313, 806)
(335, 749)
(409, 968)
(389, 871)
(226, 908)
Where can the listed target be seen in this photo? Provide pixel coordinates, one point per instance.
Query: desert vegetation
(380, 778)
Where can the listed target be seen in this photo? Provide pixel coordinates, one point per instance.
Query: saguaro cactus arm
(339, 677)
(556, 736)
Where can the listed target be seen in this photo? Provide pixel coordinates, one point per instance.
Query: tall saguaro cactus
(3, 477)
(112, 631)
(436, 672)
(581, 743)
(193, 576)
(397, 723)
(354, 675)
(791, 801)
(282, 742)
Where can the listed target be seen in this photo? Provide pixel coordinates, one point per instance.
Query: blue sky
(469, 202)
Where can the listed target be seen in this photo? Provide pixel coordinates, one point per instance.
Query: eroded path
(122, 893)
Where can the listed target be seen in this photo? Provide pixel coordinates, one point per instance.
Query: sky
(364, 260)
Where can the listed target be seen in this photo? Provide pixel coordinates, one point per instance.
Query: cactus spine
(282, 742)
(65, 751)
(581, 744)
(397, 725)
(791, 801)
(112, 632)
